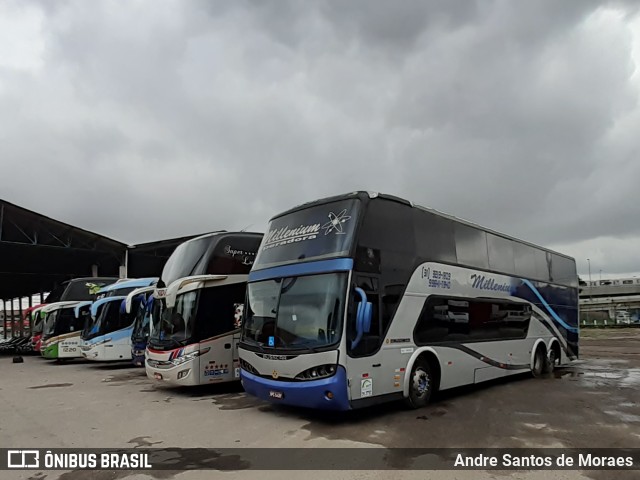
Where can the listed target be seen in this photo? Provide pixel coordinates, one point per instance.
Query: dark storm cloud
(161, 119)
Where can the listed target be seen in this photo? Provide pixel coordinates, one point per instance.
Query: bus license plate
(277, 395)
(157, 376)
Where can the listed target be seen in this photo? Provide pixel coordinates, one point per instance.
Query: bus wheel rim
(421, 382)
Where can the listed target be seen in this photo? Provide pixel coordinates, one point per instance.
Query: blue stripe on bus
(115, 335)
(310, 393)
(307, 268)
(548, 307)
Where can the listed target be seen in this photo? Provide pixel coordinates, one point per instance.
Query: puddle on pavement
(625, 417)
(143, 442)
(632, 379)
(124, 377)
(236, 401)
(52, 385)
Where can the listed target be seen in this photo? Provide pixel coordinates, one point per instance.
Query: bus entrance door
(218, 359)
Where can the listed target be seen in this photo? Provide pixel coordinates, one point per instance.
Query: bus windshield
(108, 320)
(174, 326)
(60, 322)
(296, 312)
(185, 259)
(50, 324)
(141, 324)
(37, 322)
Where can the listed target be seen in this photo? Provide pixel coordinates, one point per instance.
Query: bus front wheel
(421, 384)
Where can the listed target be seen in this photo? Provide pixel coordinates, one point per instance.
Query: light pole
(590, 287)
(601, 275)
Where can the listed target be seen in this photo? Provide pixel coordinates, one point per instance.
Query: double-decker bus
(197, 310)
(364, 298)
(107, 336)
(139, 303)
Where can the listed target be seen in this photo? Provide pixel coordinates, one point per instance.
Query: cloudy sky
(144, 120)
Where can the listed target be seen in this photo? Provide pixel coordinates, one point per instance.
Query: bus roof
(129, 283)
(368, 195)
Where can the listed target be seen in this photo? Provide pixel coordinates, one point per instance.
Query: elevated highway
(608, 300)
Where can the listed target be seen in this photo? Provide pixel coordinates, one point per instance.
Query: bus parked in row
(107, 337)
(61, 331)
(142, 319)
(84, 288)
(37, 325)
(197, 310)
(61, 327)
(364, 298)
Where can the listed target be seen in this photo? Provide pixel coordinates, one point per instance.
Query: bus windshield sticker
(366, 387)
(245, 256)
(238, 309)
(335, 222)
(437, 278)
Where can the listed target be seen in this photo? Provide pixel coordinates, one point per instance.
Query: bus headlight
(314, 373)
(248, 367)
(189, 356)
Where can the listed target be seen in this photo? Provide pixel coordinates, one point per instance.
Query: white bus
(197, 310)
(107, 335)
(365, 298)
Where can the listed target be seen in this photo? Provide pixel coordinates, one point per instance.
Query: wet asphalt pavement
(594, 403)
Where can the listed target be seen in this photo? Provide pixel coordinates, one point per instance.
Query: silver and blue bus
(364, 298)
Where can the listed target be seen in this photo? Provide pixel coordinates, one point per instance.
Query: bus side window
(217, 309)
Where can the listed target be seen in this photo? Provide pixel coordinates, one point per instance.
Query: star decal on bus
(335, 222)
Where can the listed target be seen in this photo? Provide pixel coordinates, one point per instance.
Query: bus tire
(539, 363)
(553, 359)
(421, 384)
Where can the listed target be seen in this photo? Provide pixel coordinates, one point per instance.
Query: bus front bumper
(325, 394)
(185, 374)
(50, 352)
(137, 353)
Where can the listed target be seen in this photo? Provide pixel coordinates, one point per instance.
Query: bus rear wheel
(553, 359)
(539, 363)
(420, 384)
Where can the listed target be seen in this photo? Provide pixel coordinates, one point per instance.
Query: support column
(4, 321)
(30, 322)
(13, 330)
(20, 320)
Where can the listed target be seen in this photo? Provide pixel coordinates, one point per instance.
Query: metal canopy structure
(38, 252)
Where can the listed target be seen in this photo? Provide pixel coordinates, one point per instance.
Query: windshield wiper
(253, 343)
(302, 346)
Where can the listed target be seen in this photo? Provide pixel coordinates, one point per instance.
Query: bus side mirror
(363, 317)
